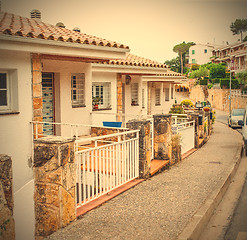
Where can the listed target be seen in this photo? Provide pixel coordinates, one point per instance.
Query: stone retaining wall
(55, 184)
(7, 226)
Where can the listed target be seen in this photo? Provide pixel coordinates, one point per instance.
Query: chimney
(76, 29)
(35, 14)
(60, 24)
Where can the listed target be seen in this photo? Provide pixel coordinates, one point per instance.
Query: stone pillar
(7, 225)
(144, 145)
(162, 137)
(37, 90)
(55, 184)
(195, 117)
(119, 98)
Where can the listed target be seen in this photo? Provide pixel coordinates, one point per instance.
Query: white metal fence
(186, 130)
(112, 161)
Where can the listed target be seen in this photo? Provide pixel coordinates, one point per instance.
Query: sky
(151, 28)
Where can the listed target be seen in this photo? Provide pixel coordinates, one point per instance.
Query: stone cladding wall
(7, 230)
(55, 184)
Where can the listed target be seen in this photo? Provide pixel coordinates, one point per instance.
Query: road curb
(197, 223)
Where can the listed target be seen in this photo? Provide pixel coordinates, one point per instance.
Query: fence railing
(238, 93)
(109, 162)
(179, 118)
(65, 129)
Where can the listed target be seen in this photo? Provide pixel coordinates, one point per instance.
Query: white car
(236, 115)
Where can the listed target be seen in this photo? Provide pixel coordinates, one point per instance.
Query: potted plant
(95, 102)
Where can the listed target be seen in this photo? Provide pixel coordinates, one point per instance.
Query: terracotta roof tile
(12, 24)
(133, 60)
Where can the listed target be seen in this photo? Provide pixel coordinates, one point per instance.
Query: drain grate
(216, 162)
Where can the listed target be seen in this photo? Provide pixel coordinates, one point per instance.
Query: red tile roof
(12, 24)
(133, 60)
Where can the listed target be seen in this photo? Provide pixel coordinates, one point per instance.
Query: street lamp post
(230, 93)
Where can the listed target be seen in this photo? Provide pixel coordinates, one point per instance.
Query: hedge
(225, 82)
(204, 82)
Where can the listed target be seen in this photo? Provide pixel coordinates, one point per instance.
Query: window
(4, 91)
(134, 94)
(143, 99)
(172, 93)
(205, 50)
(193, 61)
(78, 89)
(193, 51)
(8, 92)
(157, 96)
(167, 94)
(101, 95)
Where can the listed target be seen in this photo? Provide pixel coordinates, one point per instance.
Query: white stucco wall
(16, 141)
(64, 112)
(200, 56)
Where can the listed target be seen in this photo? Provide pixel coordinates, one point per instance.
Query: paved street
(159, 208)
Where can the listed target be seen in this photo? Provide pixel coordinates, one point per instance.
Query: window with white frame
(101, 95)
(4, 91)
(157, 96)
(167, 94)
(134, 94)
(78, 89)
(8, 91)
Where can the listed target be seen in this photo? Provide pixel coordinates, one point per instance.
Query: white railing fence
(179, 118)
(238, 93)
(186, 131)
(76, 131)
(112, 161)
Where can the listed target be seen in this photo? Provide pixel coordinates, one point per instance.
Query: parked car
(243, 123)
(236, 115)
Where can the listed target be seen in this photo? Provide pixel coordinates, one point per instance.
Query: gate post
(144, 145)
(195, 117)
(162, 136)
(55, 184)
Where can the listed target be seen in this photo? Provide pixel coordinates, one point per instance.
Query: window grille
(101, 94)
(78, 89)
(143, 99)
(167, 94)
(134, 94)
(4, 91)
(157, 96)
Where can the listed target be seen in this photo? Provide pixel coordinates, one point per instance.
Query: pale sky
(149, 27)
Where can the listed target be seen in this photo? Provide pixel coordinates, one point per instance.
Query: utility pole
(230, 93)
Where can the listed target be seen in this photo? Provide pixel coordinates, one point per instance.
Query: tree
(181, 49)
(174, 64)
(238, 27)
(201, 72)
(242, 77)
(217, 71)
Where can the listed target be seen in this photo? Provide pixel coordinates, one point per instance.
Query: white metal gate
(111, 162)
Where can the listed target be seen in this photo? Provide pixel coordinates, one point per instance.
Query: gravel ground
(159, 208)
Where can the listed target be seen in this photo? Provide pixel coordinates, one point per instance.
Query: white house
(200, 53)
(42, 68)
(50, 74)
(144, 87)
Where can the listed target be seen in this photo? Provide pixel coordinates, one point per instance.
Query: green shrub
(210, 85)
(203, 82)
(216, 80)
(176, 109)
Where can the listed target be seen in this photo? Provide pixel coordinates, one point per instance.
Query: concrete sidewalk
(165, 206)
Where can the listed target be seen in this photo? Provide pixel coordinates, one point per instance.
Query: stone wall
(219, 98)
(144, 145)
(55, 184)
(101, 131)
(162, 137)
(7, 226)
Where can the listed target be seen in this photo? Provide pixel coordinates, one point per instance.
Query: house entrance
(48, 103)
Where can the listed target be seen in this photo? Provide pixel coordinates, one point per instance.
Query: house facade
(200, 53)
(51, 75)
(235, 55)
(43, 67)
